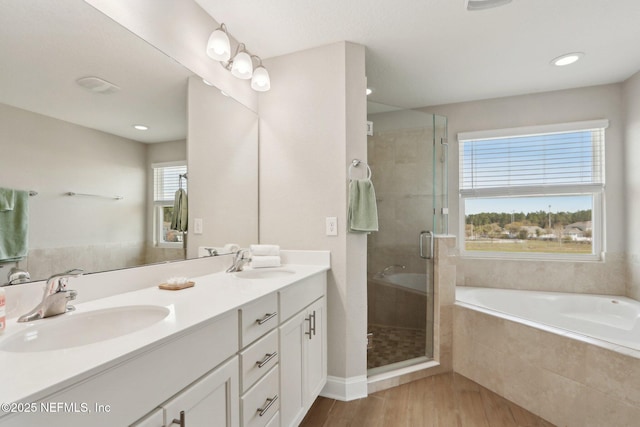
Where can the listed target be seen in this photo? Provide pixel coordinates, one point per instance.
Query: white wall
(222, 154)
(52, 157)
(312, 123)
(631, 91)
(598, 102)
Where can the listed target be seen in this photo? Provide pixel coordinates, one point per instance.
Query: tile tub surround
(565, 378)
(393, 305)
(588, 277)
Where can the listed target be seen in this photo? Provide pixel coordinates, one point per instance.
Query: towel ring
(355, 163)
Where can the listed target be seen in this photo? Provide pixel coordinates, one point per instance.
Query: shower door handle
(430, 235)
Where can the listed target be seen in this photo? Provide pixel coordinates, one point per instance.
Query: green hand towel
(179, 220)
(14, 227)
(7, 199)
(363, 211)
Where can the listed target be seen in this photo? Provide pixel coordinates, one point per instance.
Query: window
(534, 192)
(166, 181)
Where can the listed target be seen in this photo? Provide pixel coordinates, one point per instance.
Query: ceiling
(431, 52)
(47, 45)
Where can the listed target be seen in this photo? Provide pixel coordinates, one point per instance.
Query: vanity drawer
(258, 318)
(262, 401)
(257, 359)
(301, 294)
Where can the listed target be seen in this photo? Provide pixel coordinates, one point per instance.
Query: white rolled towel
(265, 261)
(265, 250)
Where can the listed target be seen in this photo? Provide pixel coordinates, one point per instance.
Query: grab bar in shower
(431, 239)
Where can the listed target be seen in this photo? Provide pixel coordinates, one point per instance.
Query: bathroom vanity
(242, 349)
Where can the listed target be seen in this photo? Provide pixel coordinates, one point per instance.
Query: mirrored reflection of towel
(180, 217)
(7, 199)
(14, 229)
(363, 211)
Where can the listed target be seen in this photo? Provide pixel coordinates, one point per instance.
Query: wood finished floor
(446, 400)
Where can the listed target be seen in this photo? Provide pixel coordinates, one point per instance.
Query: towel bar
(355, 163)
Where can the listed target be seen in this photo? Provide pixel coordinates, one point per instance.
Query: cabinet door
(315, 350)
(292, 336)
(210, 401)
(154, 419)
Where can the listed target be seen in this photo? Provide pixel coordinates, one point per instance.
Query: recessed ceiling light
(566, 59)
(473, 5)
(141, 127)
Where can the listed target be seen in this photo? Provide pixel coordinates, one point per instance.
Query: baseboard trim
(345, 389)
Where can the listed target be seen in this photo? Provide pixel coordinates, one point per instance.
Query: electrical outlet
(197, 226)
(332, 226)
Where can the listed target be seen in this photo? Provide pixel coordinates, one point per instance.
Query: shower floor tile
(392, 344)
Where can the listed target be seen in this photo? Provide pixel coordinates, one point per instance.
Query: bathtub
(613, 319)
(416, 282)
(572, 359)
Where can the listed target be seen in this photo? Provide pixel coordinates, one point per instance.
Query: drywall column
(312, 123)
(631, 93)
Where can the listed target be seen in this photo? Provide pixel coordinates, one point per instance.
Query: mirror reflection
(77, 91)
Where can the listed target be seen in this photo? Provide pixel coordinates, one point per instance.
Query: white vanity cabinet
(259, 360)
(303, 348)
(210, 401)
(258, 364)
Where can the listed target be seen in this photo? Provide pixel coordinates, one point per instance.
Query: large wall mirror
(60, 134)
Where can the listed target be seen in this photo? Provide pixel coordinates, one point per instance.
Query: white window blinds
(166, 181)
(530, 163)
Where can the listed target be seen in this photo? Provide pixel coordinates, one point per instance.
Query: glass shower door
(407, 157)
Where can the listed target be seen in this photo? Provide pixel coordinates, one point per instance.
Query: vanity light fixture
(369, 91)
(141, 127)
(241, 65)
(260, 80)
(218, 46)
(566, 59)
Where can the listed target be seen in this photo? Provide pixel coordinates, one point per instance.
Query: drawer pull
(267, 358)
(181, 422)
(268, 403)
(266, 318)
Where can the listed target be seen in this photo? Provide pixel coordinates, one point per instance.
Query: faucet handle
(57, 282)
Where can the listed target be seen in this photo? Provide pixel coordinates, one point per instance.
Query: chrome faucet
(55, 298)
(239, 261)
(388, 269)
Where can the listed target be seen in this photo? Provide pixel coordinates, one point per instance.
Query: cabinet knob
(181, 422)
(267, 358)
(270, 401)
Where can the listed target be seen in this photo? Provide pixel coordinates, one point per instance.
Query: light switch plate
(332, 226)
(197, 226)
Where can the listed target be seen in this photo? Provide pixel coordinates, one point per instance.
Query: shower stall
(408, 156)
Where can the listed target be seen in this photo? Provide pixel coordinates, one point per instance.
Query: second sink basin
(76, 328)
(263, 273)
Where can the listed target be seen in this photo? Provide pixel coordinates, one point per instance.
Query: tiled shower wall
(401, 164)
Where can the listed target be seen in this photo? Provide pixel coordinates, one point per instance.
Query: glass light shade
(218, 46)
(242, 66)
(260, 81)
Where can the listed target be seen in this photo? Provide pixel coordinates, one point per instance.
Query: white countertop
(30, 376)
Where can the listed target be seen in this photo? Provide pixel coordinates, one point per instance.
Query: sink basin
(263, 273)
(77, 328)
